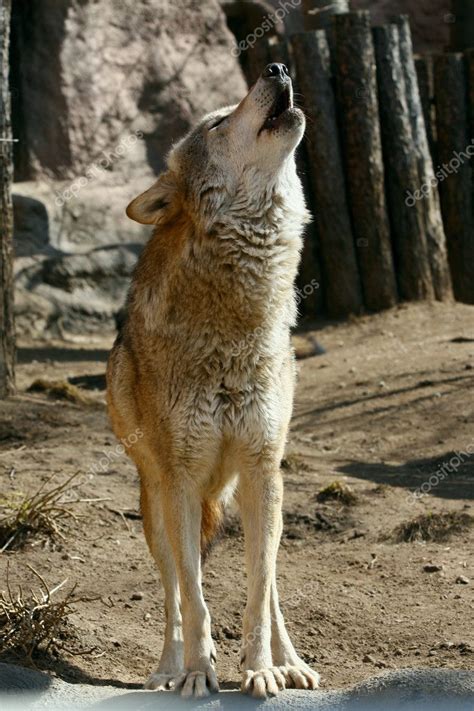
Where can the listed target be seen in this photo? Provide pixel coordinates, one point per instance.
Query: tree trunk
(357, 90)
(337, 248)
(455, 149)
(7, 333)
(401, 170)
(462, 25)
(435, 233)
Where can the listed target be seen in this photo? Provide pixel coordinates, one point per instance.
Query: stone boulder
(100, 92)
(91, 77)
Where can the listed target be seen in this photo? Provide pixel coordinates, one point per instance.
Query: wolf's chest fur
(225, 298)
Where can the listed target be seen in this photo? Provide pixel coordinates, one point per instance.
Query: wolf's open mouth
(280, 105)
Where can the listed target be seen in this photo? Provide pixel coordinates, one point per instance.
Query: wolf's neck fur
(241, 272)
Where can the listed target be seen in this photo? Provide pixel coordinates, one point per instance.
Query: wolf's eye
(216, 123)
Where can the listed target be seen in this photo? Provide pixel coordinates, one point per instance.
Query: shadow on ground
(454, 481)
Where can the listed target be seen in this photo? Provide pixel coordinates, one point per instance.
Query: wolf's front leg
(261, 491)
(182, 514)
(296, 672)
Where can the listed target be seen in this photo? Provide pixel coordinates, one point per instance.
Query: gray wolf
(219, 270)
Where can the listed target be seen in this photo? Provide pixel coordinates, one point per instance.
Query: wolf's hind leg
(171, 666)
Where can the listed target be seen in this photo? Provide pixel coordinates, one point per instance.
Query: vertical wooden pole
(339, 263)
(401, 170)
(311, 302)
(455, 153)
(469, 66)
(7, 333)
(435, 233)
(424, 73)
(357, 91)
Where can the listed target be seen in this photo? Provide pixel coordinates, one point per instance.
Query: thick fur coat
(204, 368)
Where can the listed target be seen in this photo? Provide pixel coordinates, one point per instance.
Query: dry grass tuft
(43, 514)
(34, 622)
(294, 463)
(60, 390)
(433, 527)
(337, 491)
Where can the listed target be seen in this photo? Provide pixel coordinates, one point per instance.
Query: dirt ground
(382, 410)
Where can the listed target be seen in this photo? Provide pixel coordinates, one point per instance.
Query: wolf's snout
(275, 70)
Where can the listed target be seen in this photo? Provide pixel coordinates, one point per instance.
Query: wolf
(219, 270)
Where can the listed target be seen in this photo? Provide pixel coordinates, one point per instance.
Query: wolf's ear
(149, 207)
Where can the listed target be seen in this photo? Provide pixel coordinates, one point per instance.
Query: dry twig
(32, 622)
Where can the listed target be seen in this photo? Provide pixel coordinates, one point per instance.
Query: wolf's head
(233, 160)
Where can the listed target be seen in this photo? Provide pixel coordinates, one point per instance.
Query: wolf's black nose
(275, 70)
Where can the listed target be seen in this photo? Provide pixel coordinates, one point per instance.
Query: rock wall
(100, 92)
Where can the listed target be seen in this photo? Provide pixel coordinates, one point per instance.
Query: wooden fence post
(357, 90)
(435, 233)
(312, 300)
(7, 333)
(401, 171)
(341, 278)
(424, 73)
(455, 150)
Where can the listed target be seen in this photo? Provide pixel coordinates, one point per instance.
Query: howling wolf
(219, 270)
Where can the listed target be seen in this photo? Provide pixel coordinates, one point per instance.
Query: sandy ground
(389, 403)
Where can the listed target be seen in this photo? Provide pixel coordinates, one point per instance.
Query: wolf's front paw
(164, 681)
(263, 683)
(300, 676)
(198, 684)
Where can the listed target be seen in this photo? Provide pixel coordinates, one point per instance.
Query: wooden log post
(319, 14)
(424, 73)
(338, 256)
(256, 58)
(401, 170)
(357, 91)
(310, 279)
(7, 332)
(469, 65)
(455, 152)
(435, 234)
